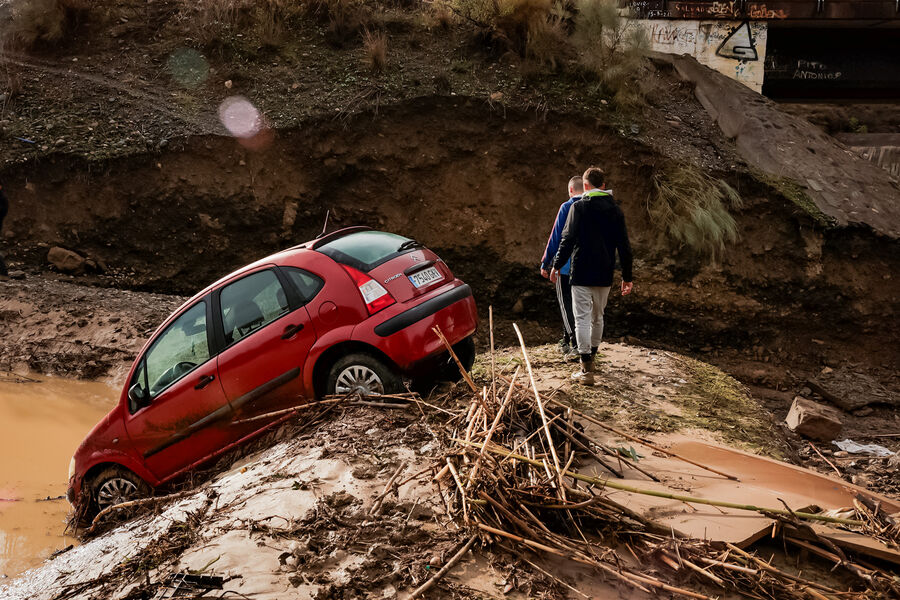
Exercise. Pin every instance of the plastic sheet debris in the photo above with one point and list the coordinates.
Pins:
(852, 447)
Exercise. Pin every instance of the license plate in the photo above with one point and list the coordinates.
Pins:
(425, 276)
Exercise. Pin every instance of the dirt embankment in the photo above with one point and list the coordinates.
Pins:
(481, 186)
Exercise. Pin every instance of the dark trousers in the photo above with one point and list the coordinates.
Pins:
(564, 296)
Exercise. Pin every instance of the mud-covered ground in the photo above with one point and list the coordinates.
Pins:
(295, 518)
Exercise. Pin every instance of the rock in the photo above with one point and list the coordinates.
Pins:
(66, 260)
(813, 420)
(863, 412)
(17, 274)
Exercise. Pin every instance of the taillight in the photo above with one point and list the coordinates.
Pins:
(373, 294)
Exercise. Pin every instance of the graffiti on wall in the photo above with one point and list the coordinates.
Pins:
(739, 44)
(734, 48)
(690, 9)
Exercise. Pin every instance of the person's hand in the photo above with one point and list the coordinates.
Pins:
(554, 276)
(545, 273)
(627, 286)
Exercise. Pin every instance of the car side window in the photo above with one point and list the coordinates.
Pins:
(307, 284)
(180, 349)
(251, 303)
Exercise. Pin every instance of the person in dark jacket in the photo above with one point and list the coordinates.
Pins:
(563, 287)
(4, 208)
(595, 230)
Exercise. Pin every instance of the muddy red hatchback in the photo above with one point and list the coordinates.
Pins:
(352, 310)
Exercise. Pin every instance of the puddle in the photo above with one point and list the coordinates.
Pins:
(42, 421)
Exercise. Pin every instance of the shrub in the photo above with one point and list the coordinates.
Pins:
(692, 209)
(613, 47)
(25, 24)
(439, 16)
(375, 46)
(507, 23)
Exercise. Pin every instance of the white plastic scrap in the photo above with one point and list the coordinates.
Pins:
(852, 447)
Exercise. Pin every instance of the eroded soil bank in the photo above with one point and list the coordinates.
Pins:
(480, 185)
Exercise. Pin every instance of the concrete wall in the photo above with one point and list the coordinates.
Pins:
(734, 48)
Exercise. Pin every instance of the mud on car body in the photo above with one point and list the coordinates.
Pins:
(351, 311)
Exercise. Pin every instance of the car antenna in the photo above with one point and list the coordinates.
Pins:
(325, 226)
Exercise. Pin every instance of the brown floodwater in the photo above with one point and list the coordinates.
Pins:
(42, 421)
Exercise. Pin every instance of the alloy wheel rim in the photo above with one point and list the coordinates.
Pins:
(115, 491)
(359, 378)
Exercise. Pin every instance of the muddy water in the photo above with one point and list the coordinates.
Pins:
(42, 421)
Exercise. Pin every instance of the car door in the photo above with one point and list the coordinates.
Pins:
(266, 337)
(177, 407)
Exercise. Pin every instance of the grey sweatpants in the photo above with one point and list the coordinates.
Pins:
(588, 304)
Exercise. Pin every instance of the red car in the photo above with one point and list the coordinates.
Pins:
(352, 310)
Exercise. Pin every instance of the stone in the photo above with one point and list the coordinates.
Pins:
(17, 274)
(860, 480)
(813, 420)
(66, 260)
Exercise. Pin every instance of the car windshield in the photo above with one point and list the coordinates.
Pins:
(365, 250)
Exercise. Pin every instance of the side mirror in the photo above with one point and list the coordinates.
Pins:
(137, 397)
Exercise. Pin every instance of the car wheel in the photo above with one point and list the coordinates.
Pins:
(115, 485)
(465, 352)
(364, 374)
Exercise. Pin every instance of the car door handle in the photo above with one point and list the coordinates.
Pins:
(291, 330)
(204, 381)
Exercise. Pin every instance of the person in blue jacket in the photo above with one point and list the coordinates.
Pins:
(563, 286)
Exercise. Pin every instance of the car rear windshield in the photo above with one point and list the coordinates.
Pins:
(365, 250)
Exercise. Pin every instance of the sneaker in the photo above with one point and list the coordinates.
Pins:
(583, 377)
(564, 346)
(571, 355)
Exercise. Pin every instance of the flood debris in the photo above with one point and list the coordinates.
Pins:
(514, 478)
(489, 487)
(188, 585)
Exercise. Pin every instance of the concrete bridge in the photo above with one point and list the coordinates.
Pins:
(787, 49)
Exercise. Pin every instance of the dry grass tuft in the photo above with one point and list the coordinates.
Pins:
(440, 16)
(26, 24)
(375, 47)
(692, 209)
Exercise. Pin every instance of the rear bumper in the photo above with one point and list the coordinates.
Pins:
(422, 311)
(405, 335)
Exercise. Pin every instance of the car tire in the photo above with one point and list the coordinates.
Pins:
(465, 352)
(114, 485)
(363, 372)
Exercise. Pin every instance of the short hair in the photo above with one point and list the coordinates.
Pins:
(595, 176)
(576, 184)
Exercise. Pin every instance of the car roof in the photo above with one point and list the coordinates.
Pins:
(273, 259)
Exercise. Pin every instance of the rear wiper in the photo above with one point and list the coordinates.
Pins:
(409, 244)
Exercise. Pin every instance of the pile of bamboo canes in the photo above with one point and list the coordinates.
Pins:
(511, 476)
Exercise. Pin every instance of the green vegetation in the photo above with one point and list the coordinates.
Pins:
(692, 209)
(854, 126)
(794, 192)
(715, 401)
